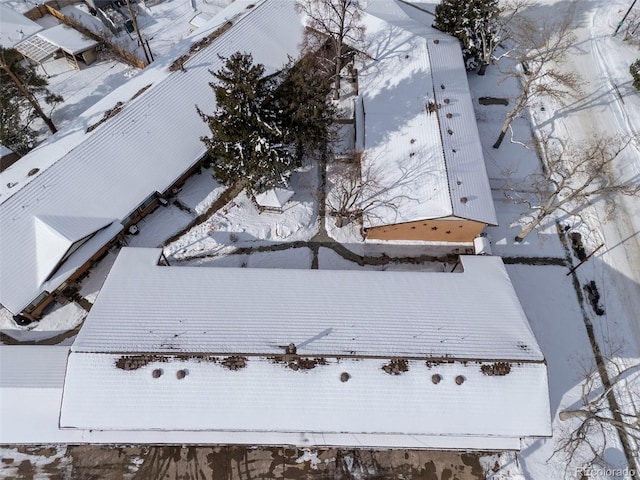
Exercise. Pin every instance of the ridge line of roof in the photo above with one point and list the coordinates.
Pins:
(202, 355)
(437, 112)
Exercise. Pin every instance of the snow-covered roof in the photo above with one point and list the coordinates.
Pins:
(200, 19)
(68, 39)
(144, 148)
(45, 43)
(274, 198)
(37, 48)
(227, 329)
(31, 388)
(15, 27)
(32, 366)
(262, 395)
(427, 165)
(144, 307)
(5, 151)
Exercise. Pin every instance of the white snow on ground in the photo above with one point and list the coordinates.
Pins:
(239, 224)
(60, 319)
(57, 454)
(200, 191)
(546, 243)
(556, 321)
(97, 275)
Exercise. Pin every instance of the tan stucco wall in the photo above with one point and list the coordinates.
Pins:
(438, 230)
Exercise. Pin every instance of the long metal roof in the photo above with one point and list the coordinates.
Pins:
(427, 164)
(144, 307)
(205, 349)
(108, 172)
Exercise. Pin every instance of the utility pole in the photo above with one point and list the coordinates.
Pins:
(624, 18)
(135, 26)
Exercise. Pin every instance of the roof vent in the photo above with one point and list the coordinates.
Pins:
(464, 200)
(291, 349)
(344, 377)
(181, 374)
(435, 378)
(156, 373)
(436, 41)
(459, 380)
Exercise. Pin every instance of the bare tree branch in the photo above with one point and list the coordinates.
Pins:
(575, 174)
(540, 49)
(596, 417)
(336, 22)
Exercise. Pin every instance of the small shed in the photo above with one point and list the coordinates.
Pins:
(61, 38)
(273, 200)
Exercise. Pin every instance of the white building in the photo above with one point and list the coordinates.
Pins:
(300, 357)
(63, 203)
(416, 126)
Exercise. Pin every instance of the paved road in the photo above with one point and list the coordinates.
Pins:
(607, 107)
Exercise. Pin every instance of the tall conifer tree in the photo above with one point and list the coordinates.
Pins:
(247, 141)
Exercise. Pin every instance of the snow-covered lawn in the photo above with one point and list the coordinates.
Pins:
(240, 224)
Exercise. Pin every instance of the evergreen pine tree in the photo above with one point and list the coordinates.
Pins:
(247, 142)
(634, 69)
(20, 88)
(476, 23)
(302, 101)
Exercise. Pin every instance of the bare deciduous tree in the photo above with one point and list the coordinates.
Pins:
(494, 36)
(573, 174)
(602, 413)
(539, 52)
(335, 21)
(353, 193)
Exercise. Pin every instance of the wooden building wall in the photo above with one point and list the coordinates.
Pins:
(437, 230)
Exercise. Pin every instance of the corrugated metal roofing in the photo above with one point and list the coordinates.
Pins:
(427, 165)
(266, 396)
(142, 149)
(31, 387)
(143, 307)
(32, 366)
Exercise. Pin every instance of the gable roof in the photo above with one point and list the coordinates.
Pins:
(237, 377)
(274, 198)
(151, 142)
(144, 307)
(55, 236)
(427, 165)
